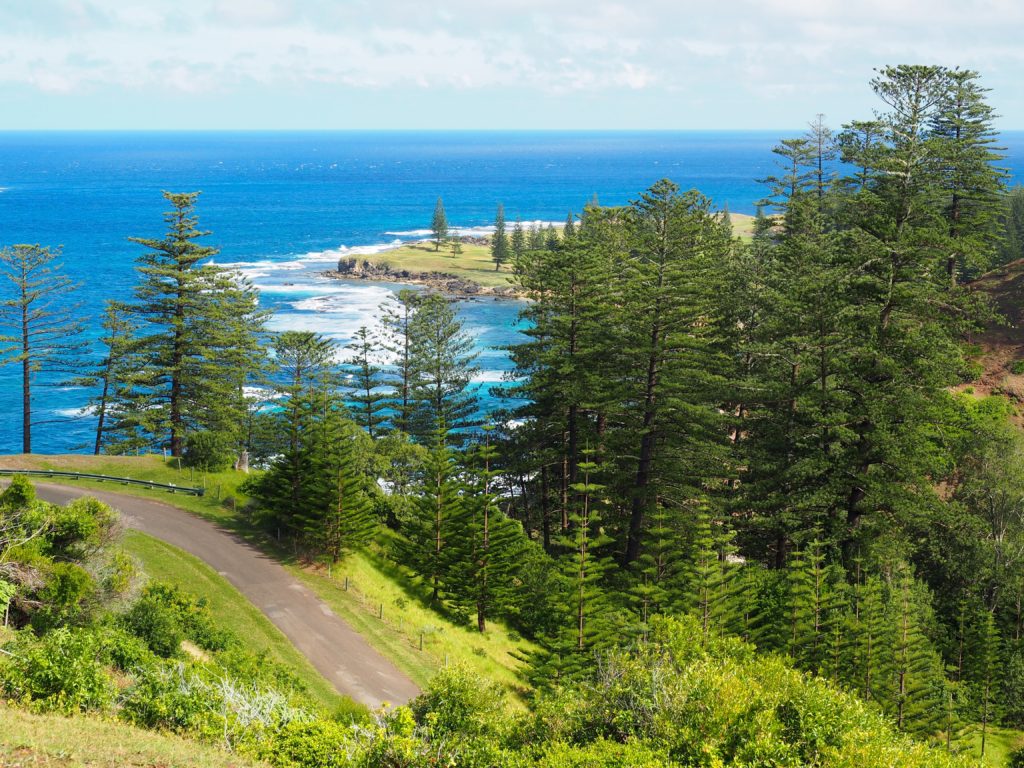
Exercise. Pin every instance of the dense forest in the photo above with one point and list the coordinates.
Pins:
(740, 496)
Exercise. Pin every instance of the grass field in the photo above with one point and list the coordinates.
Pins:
(162, 562)
(742, 225)
(28, 739)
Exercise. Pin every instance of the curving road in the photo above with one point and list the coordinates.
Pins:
(337, 651)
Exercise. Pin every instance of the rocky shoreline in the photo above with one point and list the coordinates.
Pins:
(352, 268)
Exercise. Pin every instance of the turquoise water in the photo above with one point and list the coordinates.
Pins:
(284, 206)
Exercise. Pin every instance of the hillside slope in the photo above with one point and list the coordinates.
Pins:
(1000, 347)
(28, 739)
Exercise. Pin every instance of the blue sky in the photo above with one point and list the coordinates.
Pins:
(338, 64)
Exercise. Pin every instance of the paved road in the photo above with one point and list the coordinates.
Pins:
(340, 654)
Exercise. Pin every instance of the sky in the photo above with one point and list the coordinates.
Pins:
(478, 64)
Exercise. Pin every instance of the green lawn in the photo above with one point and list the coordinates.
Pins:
(162, 562)
(28, 739)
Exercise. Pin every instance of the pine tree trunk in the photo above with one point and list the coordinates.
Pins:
(646, 458)
(176, 361)
(545, 509)
(26, 375)
(436, 579)
(102, 413)
(26, 397)
(639, 504)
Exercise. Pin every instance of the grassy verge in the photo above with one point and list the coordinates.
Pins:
(28, 739)
(221, 487)
(163, 562)
(390, 609)
(999, 743)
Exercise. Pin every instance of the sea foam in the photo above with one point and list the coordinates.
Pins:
(476, 231)
(74, 413)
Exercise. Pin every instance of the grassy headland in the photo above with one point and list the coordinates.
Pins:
(474, 263)
(216, 504)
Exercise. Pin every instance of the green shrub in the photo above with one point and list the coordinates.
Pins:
(600, 754)
(1016, 759)
(62, 671)
(119, 573)
(457, 702)
(68, 587)
(157, 624)
(124, 651)
(258, 670)
(19, 494)
(393, 741)
(715, 702)
(82, 523)
(306, 744)
(209, 451)
(1017, 367)
(189, 698)
(168, 698)
(164, 615)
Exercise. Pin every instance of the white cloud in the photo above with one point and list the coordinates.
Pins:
(767, 49)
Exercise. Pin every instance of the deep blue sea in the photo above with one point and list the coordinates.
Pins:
(284, 206)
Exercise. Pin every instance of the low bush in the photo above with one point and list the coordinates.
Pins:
(208, 451)
(258, 670)
(458, 703)
(164, 616)
(123, 650)
(167, 697)
(63, 671)
(64, 596)
(599, 754)
(80, 526)
(715, 702)
(305, 744)
(157, 624)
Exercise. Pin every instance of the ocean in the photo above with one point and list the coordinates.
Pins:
(282, 207)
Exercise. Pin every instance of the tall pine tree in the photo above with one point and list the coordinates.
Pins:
(200, 328)
(42, 329)
(439, 224)
(366, 382)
